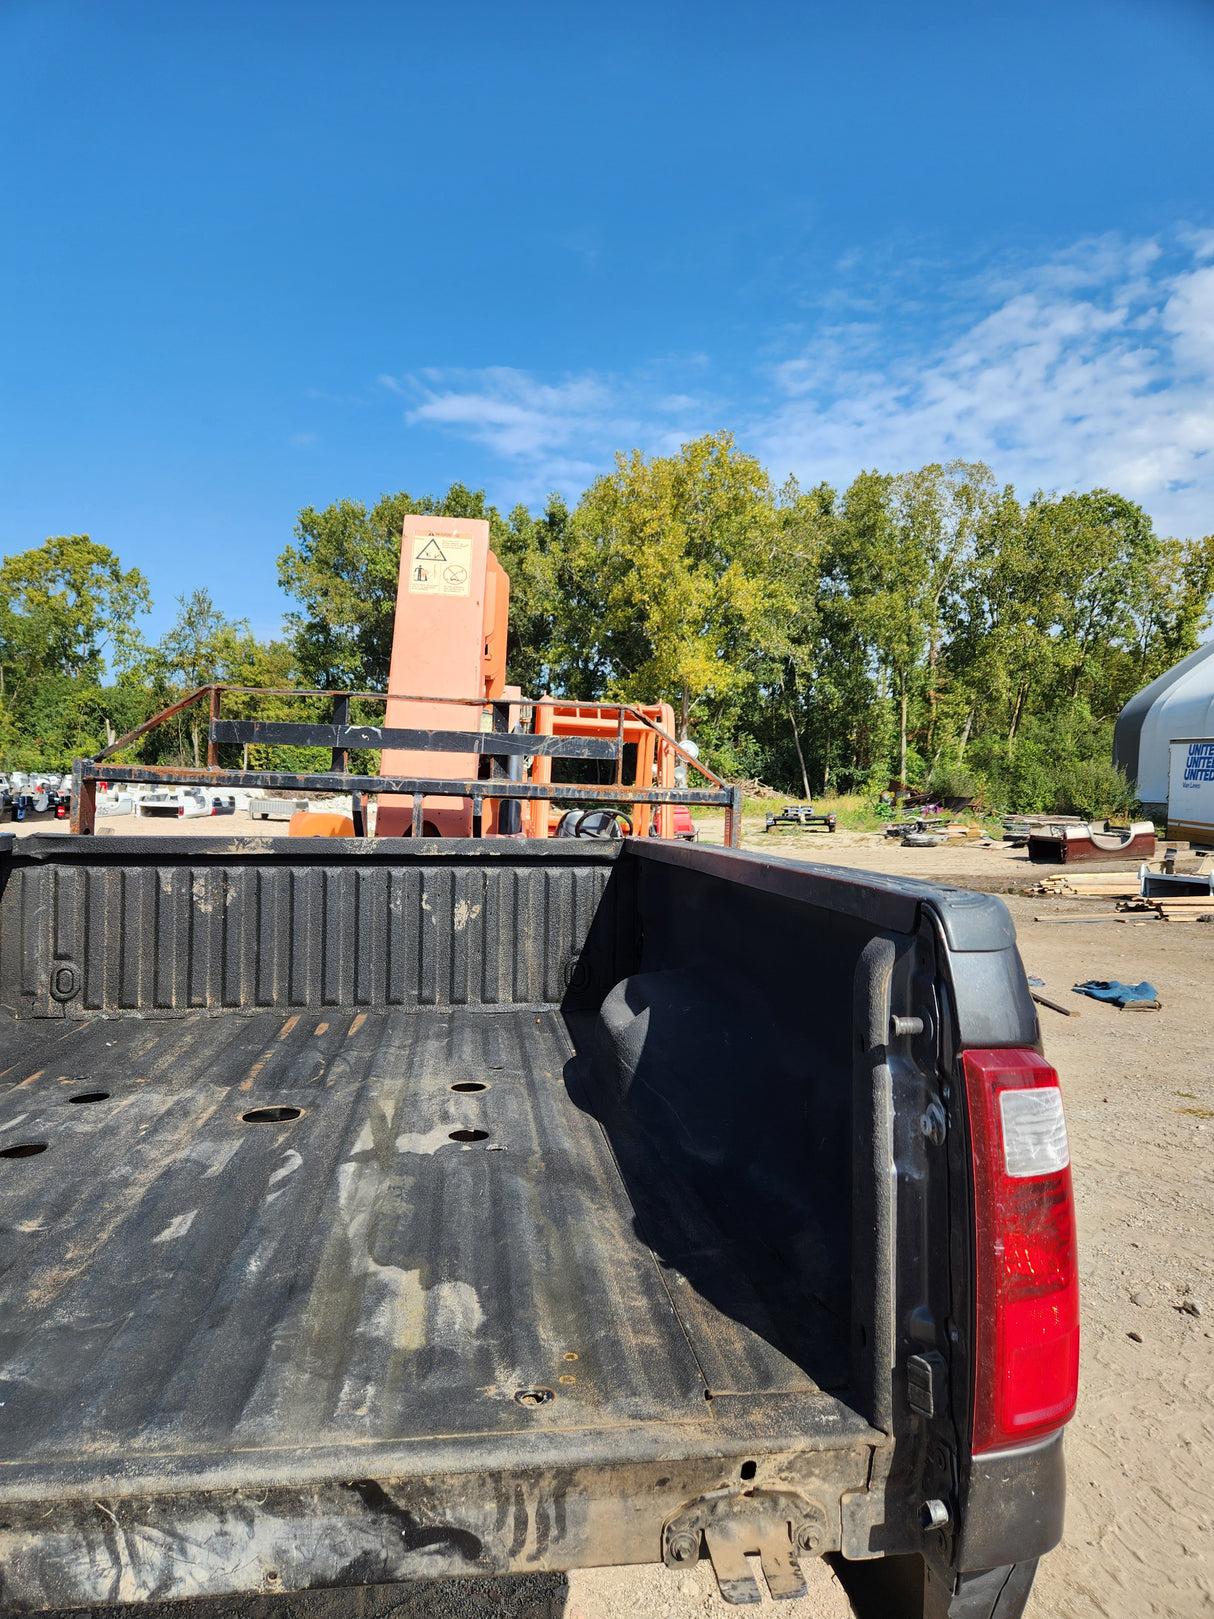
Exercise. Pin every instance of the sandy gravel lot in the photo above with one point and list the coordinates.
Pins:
(1139, 1091)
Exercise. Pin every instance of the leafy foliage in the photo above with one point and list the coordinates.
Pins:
(926, 625)
(67, 609)
(68, 604)
(680, 579)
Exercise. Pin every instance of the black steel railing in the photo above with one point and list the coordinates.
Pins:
(499, 746)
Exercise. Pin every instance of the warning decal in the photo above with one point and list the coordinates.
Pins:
(441, 565)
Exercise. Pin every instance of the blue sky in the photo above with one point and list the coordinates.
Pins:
(257, 255)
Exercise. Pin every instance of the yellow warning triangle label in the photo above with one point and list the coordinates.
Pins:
(431, 552)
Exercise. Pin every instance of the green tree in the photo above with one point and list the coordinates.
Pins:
(675, 579)
(69, 606)
(1003, 645)
(68, 611)
(923, 621)
(201, 645)
(201, 648)
(1169, 609)
(344, 569)
(531, 550)
(901, 557)
(1071, 597)
(1102, 549)
(793, 657)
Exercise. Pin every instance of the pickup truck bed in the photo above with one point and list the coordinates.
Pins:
(445, 1209)
(215, 1290)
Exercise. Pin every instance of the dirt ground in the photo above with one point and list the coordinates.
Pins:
(1139, 1090)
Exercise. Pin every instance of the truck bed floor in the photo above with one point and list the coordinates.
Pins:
(427, 1226)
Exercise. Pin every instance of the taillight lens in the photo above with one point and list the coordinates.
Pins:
(1027, 1350)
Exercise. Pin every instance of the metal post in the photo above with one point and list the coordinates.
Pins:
(84, 800)
(501, 817)
(416, 829)
(212, 745)
(341, 716)
(619, 757)
(733, 819)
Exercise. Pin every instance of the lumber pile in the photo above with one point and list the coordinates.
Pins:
(1087, 885)
(1189, 908)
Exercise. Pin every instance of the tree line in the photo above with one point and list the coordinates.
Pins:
(926, 627)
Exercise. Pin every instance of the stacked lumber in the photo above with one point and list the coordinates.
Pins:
(1186, 908)
(1088, 885)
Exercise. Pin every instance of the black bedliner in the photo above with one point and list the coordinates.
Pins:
(183, 1287)
(372, 1211)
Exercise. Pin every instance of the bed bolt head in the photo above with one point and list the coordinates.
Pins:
(934, 1124)
(900, 1026)
(684, 1546)
(934, 1514)
(811, 1535)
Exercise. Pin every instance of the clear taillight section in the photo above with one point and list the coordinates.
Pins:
(1027, 1342)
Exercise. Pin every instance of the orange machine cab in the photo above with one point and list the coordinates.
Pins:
(655, 761)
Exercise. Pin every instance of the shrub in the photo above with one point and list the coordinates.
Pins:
(952, 781)
(1094, 788)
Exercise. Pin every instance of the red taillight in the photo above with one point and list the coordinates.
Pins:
(1027, 1350)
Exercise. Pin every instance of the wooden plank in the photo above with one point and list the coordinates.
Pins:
(1054, 1006)
(1121, 891)
(1104, 916)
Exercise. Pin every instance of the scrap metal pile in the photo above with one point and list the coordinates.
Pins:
(929, 832)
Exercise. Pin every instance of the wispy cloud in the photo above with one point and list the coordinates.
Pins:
(521, 419)
(1095, 367)
(558, 434)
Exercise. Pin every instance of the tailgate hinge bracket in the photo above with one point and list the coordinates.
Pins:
(777, 1526)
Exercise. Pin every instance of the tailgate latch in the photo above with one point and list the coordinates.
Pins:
(777, 1526)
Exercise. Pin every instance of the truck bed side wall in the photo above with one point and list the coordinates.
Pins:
(806, 1112)
(731, 1051)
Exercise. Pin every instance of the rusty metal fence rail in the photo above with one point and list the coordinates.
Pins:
(499, 746)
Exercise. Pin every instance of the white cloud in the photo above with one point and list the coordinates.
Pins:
(551, 435)
(1094, 368)
(515, 416)
(1189, 314)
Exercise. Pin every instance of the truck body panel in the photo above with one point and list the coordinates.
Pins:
(437, 1207)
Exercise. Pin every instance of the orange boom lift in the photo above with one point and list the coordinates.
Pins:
(449, 640)
(462, 753)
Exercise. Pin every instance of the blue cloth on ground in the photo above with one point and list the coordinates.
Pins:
(1101, 989)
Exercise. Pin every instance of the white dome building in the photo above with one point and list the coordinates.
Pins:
(1178, 704)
